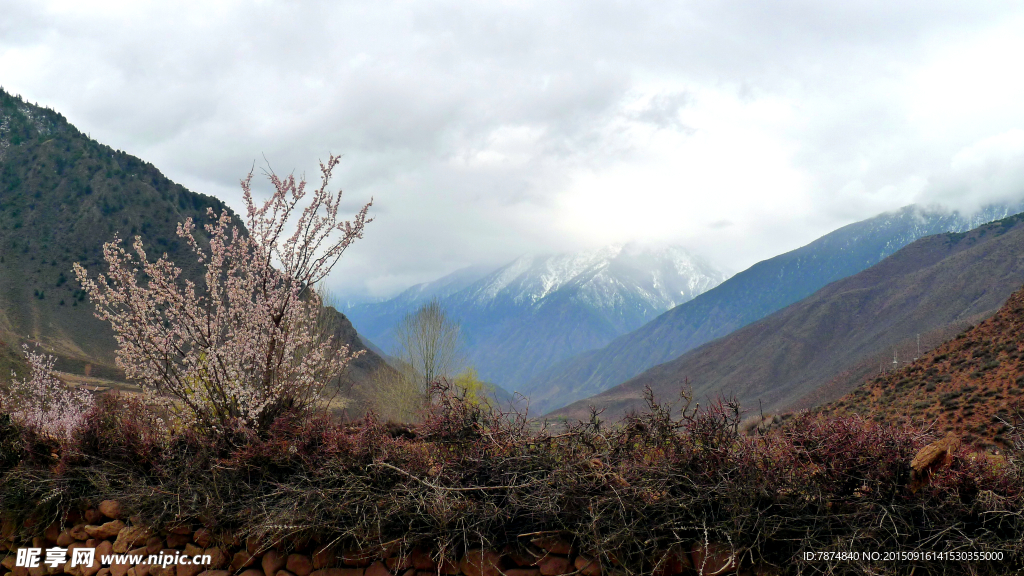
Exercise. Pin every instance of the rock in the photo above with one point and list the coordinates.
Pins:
(111, 509)
(78, 532)
(188, 569)
(178, 540)
(131, 536)
(272, 562)
(553, 544)
(52, 532)
(478, 562)
(299, 564)
(203, 537)
(283, 573)
(249, 572)
(103, 572)
(522, 572)
(93, 516)
(324, 557)
(675, 561)
(180, 529)
(588, 566)
(338, 572)
(243, 559)
(358, 557)
(712, 559)
(154, 544)
(120, 569)
(39, 570)
(218, 558)
(105, 548)
(377, 569)
(193, 550)
(64, 538)
(421, 560)
(104, 531)
(225, 573)
(930, 458)
(552, 565)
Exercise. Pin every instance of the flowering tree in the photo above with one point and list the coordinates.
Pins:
(246, 347)
(42, 401)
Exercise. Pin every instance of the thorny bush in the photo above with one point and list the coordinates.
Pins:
(471, 475)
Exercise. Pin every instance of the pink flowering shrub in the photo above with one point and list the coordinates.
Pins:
(44, 403)
(245, 347)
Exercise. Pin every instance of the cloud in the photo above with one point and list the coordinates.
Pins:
(489, 130)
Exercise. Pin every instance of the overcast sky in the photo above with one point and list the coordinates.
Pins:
(486, 130)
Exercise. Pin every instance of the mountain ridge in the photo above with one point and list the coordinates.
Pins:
(748, 296)
(936, 281)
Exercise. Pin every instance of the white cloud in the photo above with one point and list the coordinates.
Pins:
(487, 130)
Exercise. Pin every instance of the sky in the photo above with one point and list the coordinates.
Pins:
(488, 130)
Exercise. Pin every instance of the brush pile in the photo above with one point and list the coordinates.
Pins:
(638, 498)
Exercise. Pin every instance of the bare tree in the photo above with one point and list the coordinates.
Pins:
(428, 347)
(430, 343)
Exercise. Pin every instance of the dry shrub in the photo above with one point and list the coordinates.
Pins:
(470, 475)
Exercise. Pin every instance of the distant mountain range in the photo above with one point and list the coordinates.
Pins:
(538, 310)
(749, 296)
(62, 195)
(824, 345)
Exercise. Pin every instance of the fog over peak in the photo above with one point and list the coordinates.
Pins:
(485, 131)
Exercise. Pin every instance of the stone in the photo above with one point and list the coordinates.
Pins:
(93, 516)
(522, 572)
(193, 550)
(218, 558)
(283, 573)
(52, 532)
(588, 566)
(105, 548)
(38, 570)
(78, 532)
(552, 565)
(299, 564)
(104, 531)
(203, 537)
(272, 562)
(712, 558)
(377, 569)
(178, 540)
(131, 536)
(675, 561)
(249, 572)
(358, 558)
(339, 572)
(188, 569)
(421, 560)
(64, 538)
(478, 562)
(120, 569)
(553, 544)
(154, 544)
(223, 573)
(243, 559)
(103, 572)
(111, 509)
(324, 557)
(180, 529)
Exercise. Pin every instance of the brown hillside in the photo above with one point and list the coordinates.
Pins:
(837, 335)
(969, 385)
(62, 196)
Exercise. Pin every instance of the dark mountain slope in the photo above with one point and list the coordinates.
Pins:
(62, 195)
(762, 289)
(935, 283)
(968, 385)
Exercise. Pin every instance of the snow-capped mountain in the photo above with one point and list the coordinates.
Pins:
(538, 310)
(750, 295)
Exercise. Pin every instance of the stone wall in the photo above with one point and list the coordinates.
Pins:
(106, 529)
